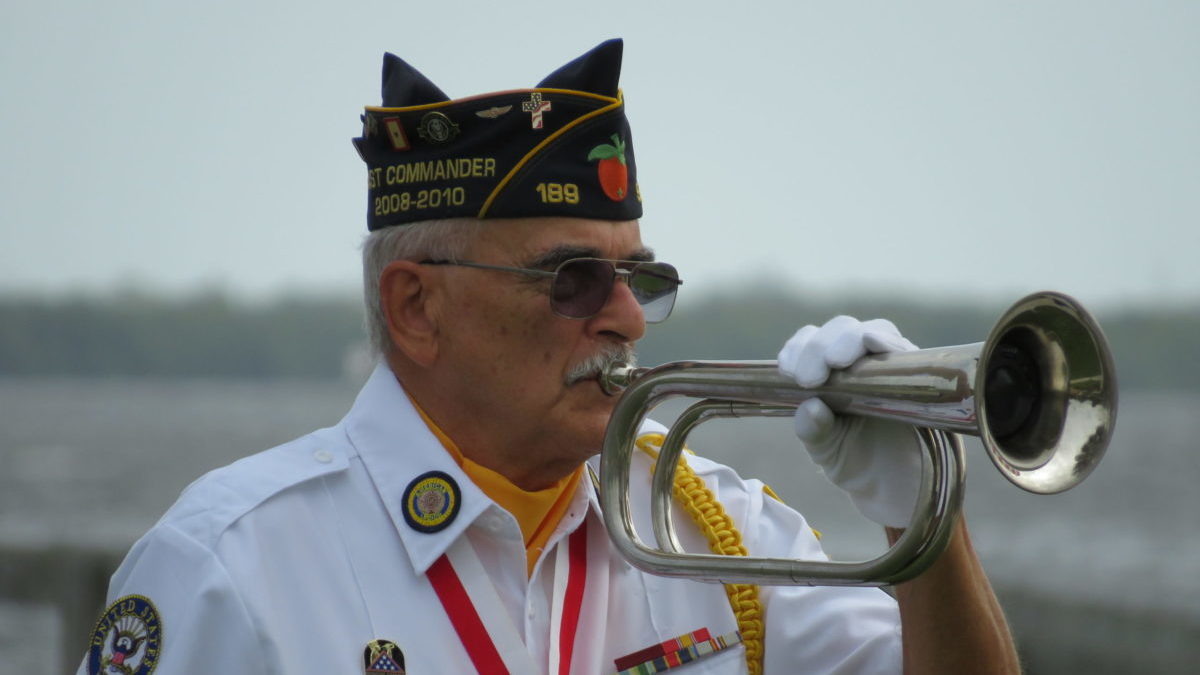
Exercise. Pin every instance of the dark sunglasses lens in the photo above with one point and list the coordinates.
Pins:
(654, 285)
(581, 287)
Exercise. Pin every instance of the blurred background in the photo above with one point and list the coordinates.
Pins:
(181, 210)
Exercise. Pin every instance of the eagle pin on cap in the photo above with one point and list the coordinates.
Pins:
(562, 148)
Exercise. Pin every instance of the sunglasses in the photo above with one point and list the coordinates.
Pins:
(582, 286)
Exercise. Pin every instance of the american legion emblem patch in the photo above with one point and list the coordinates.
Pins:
(127, 638)
(431, 501)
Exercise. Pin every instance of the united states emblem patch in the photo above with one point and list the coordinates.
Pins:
(127, 638)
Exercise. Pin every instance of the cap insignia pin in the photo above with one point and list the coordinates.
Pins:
(535, 106)
(435, 127)
(611, 170)
(370, 125)
(395, 133)
(494, 112)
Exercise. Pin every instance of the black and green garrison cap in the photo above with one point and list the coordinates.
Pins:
(562, 148)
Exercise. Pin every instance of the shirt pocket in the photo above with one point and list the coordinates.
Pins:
(680, 607)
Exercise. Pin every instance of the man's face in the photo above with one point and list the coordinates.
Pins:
(506, 356)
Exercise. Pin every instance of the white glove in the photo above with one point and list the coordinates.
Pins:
(877, 462)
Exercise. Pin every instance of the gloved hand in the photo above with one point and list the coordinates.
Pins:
(877, 462)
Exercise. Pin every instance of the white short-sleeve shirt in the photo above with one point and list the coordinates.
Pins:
(291, 561)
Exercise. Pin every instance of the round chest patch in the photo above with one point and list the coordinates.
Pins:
(431, 502)
(127, 638)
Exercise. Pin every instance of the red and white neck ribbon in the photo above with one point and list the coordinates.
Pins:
(484, 626)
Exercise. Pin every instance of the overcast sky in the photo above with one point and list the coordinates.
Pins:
(931, 148)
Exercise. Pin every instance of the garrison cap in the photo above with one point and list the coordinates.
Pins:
(562, 148)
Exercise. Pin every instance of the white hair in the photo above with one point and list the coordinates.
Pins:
(445, 239)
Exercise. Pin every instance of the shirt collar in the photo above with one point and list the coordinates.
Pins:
(396, 446)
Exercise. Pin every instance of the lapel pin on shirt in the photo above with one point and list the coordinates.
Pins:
(431, 501)
(383, 656)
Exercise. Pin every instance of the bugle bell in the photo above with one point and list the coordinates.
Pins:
(1040, 392)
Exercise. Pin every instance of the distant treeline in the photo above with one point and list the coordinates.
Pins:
(1153, 348)
(214, 336)
(202, 336)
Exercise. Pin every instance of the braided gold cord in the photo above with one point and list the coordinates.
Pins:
(771, 493)
(723, 539)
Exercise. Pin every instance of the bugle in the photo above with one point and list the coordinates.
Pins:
(1040, 393)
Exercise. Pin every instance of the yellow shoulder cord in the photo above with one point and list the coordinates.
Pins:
(723, 539)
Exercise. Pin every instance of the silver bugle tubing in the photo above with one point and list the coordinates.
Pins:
(1040, 393)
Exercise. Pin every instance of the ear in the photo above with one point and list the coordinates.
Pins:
(405, 297)
(596, 71)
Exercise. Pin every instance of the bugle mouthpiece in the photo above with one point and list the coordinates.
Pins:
(616, 377)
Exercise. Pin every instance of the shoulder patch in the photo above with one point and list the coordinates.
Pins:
(127, 639)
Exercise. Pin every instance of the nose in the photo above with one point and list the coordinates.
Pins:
(621, 318)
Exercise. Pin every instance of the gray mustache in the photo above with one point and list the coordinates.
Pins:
(591, 367)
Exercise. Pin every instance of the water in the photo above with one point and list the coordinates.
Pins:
(1126, 535)
(1105, 578)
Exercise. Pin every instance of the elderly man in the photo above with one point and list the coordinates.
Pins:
(448, 524)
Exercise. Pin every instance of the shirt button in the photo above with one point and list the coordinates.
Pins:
(323, 456)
